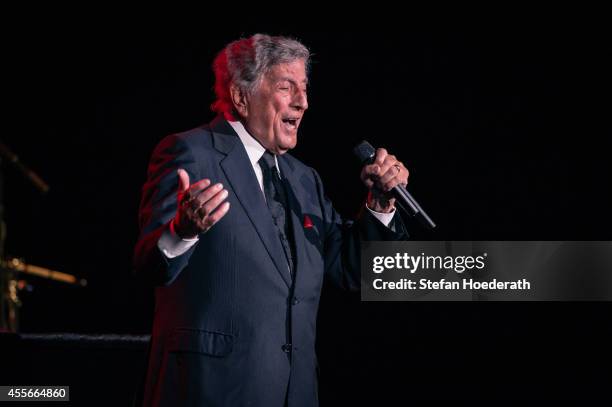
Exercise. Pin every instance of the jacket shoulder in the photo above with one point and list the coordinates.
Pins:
(198, 137)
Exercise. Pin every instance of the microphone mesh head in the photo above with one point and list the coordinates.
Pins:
(364, 152)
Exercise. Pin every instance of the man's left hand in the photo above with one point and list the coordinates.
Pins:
(385, 173)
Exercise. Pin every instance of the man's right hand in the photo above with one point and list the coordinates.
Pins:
(200, 206)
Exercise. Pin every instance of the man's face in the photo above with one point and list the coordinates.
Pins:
(274, 110)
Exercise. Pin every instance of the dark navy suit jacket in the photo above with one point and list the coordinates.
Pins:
(227, 309)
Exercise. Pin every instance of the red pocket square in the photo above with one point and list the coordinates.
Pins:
(307, 222)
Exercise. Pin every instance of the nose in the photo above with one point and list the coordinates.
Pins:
(300, 100)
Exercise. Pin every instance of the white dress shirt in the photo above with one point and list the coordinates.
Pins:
(172, 245)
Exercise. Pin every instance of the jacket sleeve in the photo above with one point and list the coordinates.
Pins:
(158, 207)
(342, 240)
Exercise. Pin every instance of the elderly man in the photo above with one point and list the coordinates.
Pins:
(238, 237)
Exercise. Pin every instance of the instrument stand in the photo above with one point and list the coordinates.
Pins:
(9, 301)
(11, 268)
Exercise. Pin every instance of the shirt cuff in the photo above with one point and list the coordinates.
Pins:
(384, 218)
(171, 245)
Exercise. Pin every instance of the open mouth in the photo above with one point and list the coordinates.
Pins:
(291, 123)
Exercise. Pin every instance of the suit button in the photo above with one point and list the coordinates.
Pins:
(286, 348)
(295, 301)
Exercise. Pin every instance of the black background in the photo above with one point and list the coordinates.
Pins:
(505, 132)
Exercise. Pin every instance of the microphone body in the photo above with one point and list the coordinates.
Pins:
(366, 154)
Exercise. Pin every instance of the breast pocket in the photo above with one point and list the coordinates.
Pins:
(313, 230)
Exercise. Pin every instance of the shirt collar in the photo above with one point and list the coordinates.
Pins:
(254, 150)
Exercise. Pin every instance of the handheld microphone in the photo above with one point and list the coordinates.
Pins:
(366, 154)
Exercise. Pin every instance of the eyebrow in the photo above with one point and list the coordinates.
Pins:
(305, 81)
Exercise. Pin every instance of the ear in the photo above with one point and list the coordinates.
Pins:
(239, 100)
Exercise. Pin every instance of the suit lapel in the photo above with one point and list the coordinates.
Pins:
(297, 229)
(239, 173)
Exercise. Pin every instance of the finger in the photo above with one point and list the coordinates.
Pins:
(183, 180)
(371, 170)
(389, 185)
(404, 177)
(400, 179)
(381, 154)
(394, 171)
(213, 203)
(188, 197)
(199, 186)
(216, 216)
(368, 175)
(387, 169)
(206, 194)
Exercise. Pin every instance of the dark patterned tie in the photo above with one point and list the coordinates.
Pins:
(276, 198)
